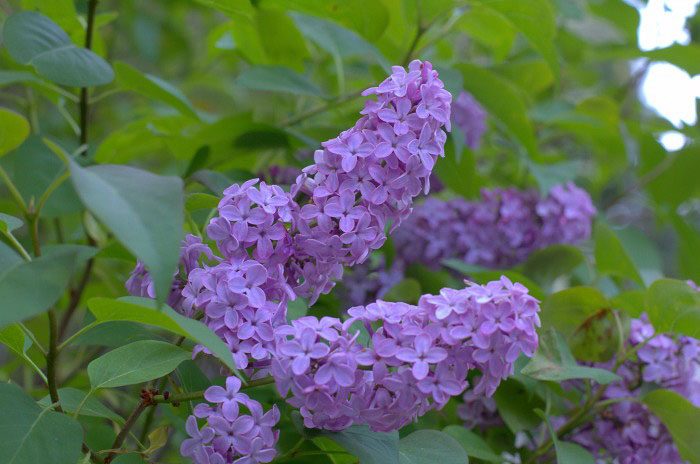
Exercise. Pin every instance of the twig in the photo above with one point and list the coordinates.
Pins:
(198, 395)
(145, 402)
(321, 108)
(84, 101)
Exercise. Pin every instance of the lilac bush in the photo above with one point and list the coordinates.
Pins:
(470, 117)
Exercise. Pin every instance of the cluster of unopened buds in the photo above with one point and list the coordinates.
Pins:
(276, 245)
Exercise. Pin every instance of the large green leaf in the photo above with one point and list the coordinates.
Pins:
(33, 39)
(547, 264)
(370, 447)
(337, 40)
(611, 257)
(429, 447)
(277, 79)
(473, 444)
(13, 130)
(536, 20)
(567, 309)
(502, 100)
(516, 406)
(681, 417)
(153, 87)
(34, 435)
(673, 306)
(145, 311)
(280, 38)
(135, 363)
(29, 288)
(143, 210)
(677, 182)
(554, 361)
(72, 399)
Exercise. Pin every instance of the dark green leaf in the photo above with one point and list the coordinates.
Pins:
(13, 130)
(473, 444)
(285, 46)
(145, 311)
(370, 447)
(32, 38)
(36, 436)
(143, 210)
(277, 79)
(72, 398)
(407, 291)
(516, 406)
(197, 201)
(545, 265)
(431, 446)
(611, 257)
(135, 363)
(681, 418)
(29, 288)
(554, 361)
(153, 87)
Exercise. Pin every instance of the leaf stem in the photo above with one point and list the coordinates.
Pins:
(130, 421)
(13, 190)
(321, 108)
(16, 245)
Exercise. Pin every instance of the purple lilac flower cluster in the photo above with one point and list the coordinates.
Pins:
(627, 431)
(470, 117)
(501, 230)
(416, 359)
(367, 177)
(228, 435)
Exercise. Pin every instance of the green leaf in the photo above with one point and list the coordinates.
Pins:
(516, 406)
(370, 447)
(153, 87)
(143, 210)
(681, 418)
(431, 446)
(337, 40)
(554, 361)
(536, 20)
(473, 444)
(567, 309)
(285, 46)
(545, 265)
(72, 399)
(567, 453)
(673, 306)
(13, 130)
(197, 201)
(688, 243)
(135, 363)
(33, 168)
(9, 223)
(33, 39)
(676, 183)
(277, 79)
(489, 28)
(13, 337)
(369, 19)
(146, 312)
(502, 100)
(34, 435)
(29, 288)
(611, 257)
(408, 291)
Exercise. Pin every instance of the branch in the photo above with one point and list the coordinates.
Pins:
(84, 101)
(198, 395)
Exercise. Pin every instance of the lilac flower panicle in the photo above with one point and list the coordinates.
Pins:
(230, 436)
(501, 230)
(417, 359)
(470, 117)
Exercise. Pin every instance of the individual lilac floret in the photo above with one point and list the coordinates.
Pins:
(501, 230)
(417, 358)
(470, 117)
(627, 431)
(228, 435)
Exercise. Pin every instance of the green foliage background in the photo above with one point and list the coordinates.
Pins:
(196, 95)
